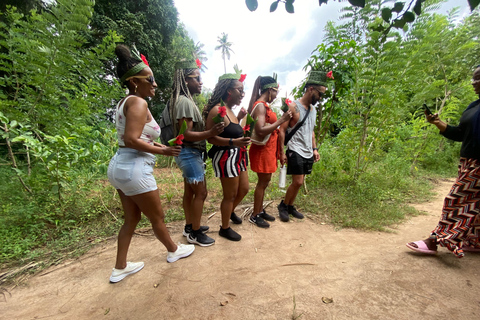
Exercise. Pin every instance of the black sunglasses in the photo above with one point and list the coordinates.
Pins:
(319, 92)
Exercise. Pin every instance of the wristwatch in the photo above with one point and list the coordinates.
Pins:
(230, 143)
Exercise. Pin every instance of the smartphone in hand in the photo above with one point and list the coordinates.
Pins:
(427, 109)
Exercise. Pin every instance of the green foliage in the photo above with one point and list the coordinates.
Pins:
(374, 104)
(405, 12)
(152, 25)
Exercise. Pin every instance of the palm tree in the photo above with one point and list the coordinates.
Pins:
(225, 47)
(200, 54)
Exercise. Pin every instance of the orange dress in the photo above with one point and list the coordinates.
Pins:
(263, 159)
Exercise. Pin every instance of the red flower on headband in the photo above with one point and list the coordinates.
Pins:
(144, 60)
(242, 77)
(199, 63)
(222, 111)
(330, 75)
(178, 140)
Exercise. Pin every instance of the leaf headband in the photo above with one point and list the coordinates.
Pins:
(273, 84)
(234, 76)
(136, 68)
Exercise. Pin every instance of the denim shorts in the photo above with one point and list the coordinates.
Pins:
(131, 171)
(190, 161)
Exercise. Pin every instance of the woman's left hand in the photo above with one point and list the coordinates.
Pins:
(242, 113)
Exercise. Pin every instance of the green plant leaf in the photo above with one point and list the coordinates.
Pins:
(409, 16)
(252, 5)
(273, 6)
(399, 23)
(473, 4)
(289, 7)
(183, 127)
(357, 3)
(398, 6)
(418, 7)
(386, 14)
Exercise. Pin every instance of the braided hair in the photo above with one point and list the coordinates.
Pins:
(180, 86)
(219, 93)
(125, 61)
(257, 89)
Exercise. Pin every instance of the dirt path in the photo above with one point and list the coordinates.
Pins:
(279, 273)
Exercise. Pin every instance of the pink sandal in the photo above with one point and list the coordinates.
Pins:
(421, 247)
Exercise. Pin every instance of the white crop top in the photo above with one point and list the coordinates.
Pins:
(150, 132)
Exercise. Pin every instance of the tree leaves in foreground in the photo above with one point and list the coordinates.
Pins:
(405, 11)
(53, 90)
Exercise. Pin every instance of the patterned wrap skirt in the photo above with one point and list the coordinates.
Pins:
(459, 225)
(228, 163)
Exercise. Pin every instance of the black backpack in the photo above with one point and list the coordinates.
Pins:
(166, 128)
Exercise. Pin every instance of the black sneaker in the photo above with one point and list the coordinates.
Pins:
(235, 219)
(188, 229)
(230, 234)
(258, 221)
(266, 216)
(283, 212)
(294, 212)
(200, 238)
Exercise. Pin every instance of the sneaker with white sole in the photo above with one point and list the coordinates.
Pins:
(200, 238)
(131, 268)
(259, 221)
(183, 251)
(188, 229)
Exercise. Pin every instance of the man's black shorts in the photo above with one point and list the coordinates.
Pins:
(296, 164)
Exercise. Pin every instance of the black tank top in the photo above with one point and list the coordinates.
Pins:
(233, 130)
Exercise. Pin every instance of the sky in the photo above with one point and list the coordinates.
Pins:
(264, 42)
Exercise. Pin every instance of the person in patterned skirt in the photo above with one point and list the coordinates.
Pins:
(458, 229)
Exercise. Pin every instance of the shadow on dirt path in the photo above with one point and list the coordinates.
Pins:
(279, 273)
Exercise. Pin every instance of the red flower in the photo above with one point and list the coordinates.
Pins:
(242, 77)
(144, 60)
(246, 128)
(288, 101)
(330, 75)
(222, 111)
(178, 140)
(199, 63)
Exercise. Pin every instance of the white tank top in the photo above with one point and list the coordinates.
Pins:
(150, 132)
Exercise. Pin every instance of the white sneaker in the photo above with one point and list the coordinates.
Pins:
(120, 274)
(183, 251)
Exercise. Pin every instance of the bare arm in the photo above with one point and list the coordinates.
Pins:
(434, 119)
(316, 155)
(136, 113)
(221, 141)
(260, 128)
(281, 139)
(191, 135)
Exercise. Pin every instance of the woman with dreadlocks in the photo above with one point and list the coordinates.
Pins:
(263, 156)
(229, 150)
(187, 82)
(131, 169)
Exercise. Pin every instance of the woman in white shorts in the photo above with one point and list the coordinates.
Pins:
(131, 169)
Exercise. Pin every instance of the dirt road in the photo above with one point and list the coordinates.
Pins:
(286, 272)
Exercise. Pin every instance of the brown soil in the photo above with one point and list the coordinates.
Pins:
(295, 270)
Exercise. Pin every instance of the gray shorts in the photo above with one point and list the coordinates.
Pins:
(131, 171)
